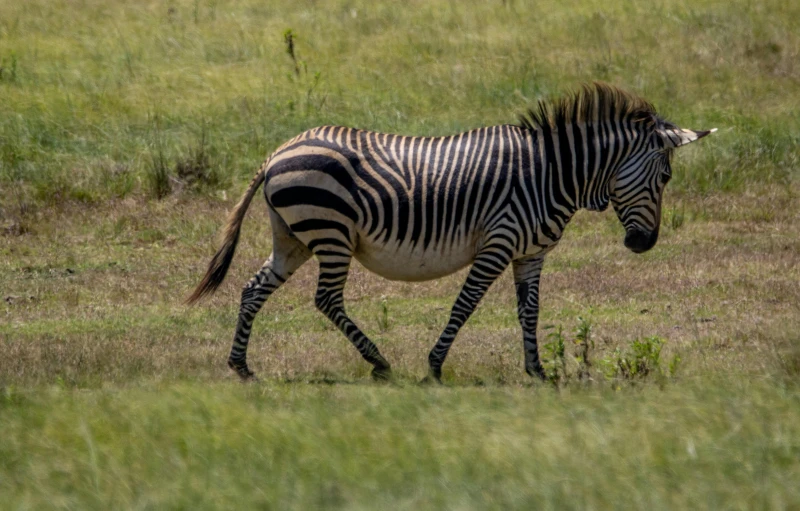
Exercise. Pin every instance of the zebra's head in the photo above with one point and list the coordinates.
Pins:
(638, 186)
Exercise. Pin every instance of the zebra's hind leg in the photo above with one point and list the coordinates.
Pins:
(288, 254)
(333, 268)
(487, 267)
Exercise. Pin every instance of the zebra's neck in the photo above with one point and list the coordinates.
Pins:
(580, 160)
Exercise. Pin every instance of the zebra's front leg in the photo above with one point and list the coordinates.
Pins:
(526, 279)
(330, 301)
(485, 270)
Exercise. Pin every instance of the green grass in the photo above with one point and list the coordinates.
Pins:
(87, 112)
(129, 128)
(713, 444)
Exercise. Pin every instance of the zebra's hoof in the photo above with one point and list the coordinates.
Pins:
(382, 373)
(433, 378)
(242, 371)
(536, 372)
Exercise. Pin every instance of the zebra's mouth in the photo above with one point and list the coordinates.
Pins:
(639, 241)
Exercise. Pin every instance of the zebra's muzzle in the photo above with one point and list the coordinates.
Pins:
(639, 241)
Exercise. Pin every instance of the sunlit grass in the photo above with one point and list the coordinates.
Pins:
(707, 444)
(86, 111)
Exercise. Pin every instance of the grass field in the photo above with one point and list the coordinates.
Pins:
(128, 129)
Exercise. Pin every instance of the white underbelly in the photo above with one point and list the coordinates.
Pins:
(407, 264)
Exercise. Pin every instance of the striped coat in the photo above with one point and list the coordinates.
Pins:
(419, 208)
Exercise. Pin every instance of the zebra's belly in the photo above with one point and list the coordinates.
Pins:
(406, 264)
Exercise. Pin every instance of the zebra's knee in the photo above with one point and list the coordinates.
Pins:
(249, 291)
(253, 297)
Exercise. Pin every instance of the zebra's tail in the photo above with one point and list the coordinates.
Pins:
(219, 265)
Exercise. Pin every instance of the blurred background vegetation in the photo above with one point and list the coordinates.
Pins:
(102, 99)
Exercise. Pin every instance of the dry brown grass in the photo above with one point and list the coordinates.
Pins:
(92, 295)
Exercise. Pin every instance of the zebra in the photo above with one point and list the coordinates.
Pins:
(420, 208)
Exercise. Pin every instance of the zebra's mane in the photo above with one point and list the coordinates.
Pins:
(580, 106)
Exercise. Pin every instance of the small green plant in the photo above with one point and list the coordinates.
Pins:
(555, 363)
(314, 100)
(288, 39)
(674, 364)
(640, 360)
(383, 316)
(675, 218)
(555, 359)
(646, 356)
(584, 344)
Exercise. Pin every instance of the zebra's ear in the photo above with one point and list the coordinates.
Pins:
(676, 137)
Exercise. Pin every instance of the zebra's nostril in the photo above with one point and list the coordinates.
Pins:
(639, 241)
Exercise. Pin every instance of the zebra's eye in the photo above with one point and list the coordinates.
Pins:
(665, 177)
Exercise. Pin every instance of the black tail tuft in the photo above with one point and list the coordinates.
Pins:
(217, 269)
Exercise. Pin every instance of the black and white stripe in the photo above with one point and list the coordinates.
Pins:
(417, 208)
